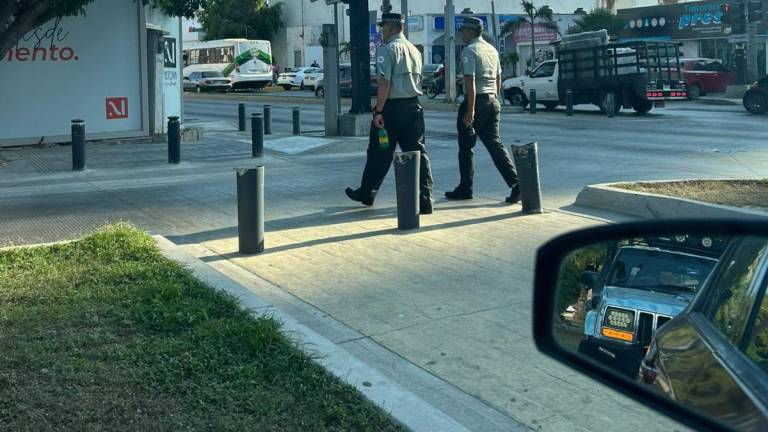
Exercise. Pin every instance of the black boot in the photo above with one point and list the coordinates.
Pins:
(360, 196)
(514, 196)
(460, 193)
(425, 206)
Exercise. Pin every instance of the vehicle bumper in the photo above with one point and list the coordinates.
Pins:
(623, 358)
(216, 87)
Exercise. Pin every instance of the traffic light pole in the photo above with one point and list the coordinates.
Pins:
(360, 57)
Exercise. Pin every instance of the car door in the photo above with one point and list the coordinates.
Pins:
(723, 77)
(194, 78)
(704, 75)
(543, 80)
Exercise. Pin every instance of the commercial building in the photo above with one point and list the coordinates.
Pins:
(696, 25)
(121, 75)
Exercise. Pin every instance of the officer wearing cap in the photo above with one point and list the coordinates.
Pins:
(398, 69)
(480, 113)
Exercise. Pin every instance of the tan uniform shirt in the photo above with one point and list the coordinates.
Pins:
(481, 60)
(399, 62)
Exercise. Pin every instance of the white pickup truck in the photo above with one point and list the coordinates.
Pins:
(637, 74)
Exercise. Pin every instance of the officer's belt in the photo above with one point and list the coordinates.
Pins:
(410, 99)
(486, 96)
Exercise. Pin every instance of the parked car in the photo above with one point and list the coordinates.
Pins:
(756, 98)
(345, 82)
(295, 78)
(311, 77)
(703, 75)
(201, 81)
(713, 357)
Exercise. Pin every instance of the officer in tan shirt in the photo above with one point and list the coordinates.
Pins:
(480, 113)
(398, 111)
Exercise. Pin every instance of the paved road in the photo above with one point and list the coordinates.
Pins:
(685, 140)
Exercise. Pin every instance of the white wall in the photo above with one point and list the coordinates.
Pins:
(94, 57)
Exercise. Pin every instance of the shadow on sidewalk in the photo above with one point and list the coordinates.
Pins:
(359, 236)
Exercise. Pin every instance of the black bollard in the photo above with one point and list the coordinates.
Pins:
(241, 117)
(533, 101)
(407, 188)
(78, 145)
(174, 140)
(569, 102)
(296, 121)
(250, 209)
(611, 101)
(267, 119)
(257, 135)
(527, 164)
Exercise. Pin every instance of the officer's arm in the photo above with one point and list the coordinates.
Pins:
(498, 84)
(384, 71)
(382, 94)
(469, 66)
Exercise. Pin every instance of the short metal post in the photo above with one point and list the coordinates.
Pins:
(407, 188)
(527, 164)
(296, 121)
(174, 140)
(611, 101)
(257, 135)
(78, 145)
(250, 209)
(241, 117)
(569, 102)
(267, 119)
(533, 101)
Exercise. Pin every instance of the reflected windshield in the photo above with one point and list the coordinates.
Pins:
(657, 270)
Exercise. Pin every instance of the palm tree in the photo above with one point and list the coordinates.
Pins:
(534, 15)
(599, 19)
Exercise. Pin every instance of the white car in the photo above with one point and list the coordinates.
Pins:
(289, 80)
(311, 78)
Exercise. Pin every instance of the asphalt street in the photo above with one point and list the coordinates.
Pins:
(682, 141)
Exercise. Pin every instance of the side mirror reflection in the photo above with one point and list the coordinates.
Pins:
(672, 312)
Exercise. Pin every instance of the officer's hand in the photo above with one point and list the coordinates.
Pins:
(469, 118)
(378, 121)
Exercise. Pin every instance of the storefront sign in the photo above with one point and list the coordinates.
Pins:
(694, 20)
(541, 34)
(169, 52)
(439, 23)
(415, 23)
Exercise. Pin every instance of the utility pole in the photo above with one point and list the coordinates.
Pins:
(450, 51)
(360, 57)
(404, 11)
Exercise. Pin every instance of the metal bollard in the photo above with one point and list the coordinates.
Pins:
(527, 164)
(250, 209)
(533, 101)
(78, 145)
(296, 121)
(611, 101)
(174, 140)
(241, 117)
(569, 102)
(407, 188)
(257, 135)
(267, 119)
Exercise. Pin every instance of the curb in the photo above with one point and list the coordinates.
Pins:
(653, 206)
(719, 102)
(405, 407)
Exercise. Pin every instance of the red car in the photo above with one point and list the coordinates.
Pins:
(704, 75)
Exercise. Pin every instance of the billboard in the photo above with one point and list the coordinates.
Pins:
(86, 67)
(693, 20)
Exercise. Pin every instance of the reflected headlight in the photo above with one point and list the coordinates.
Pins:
(620, 319)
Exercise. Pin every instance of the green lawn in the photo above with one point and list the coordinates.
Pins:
(107, 334)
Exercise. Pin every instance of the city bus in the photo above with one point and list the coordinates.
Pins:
(248, 63)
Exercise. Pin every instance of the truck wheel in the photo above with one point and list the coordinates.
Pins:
(550, 106)
(756, 101)
(694, 92)
(642, 106)
(516, 97)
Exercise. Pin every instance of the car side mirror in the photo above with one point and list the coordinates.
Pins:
(656, 337)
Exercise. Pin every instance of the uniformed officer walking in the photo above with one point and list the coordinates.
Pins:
(480, 113)
(398, 111)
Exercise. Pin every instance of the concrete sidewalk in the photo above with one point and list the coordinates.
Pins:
(451, 301)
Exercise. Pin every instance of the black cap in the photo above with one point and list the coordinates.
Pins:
(472, 23)
(391, 18)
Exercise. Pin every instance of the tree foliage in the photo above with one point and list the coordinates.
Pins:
(223, 19)
(532, 15)
(599, 19)
(18, 17)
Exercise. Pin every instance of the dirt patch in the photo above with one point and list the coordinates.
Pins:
(736, 193)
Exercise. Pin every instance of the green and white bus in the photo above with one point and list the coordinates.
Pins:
(248, 63)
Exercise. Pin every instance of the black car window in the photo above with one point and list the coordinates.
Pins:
(212, 75)
(726, 302)
(757, 345)
(700, 66)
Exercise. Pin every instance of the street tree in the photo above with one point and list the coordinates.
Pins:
(599, 19)
(253, 19)
(19, 17)
(533, 16)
